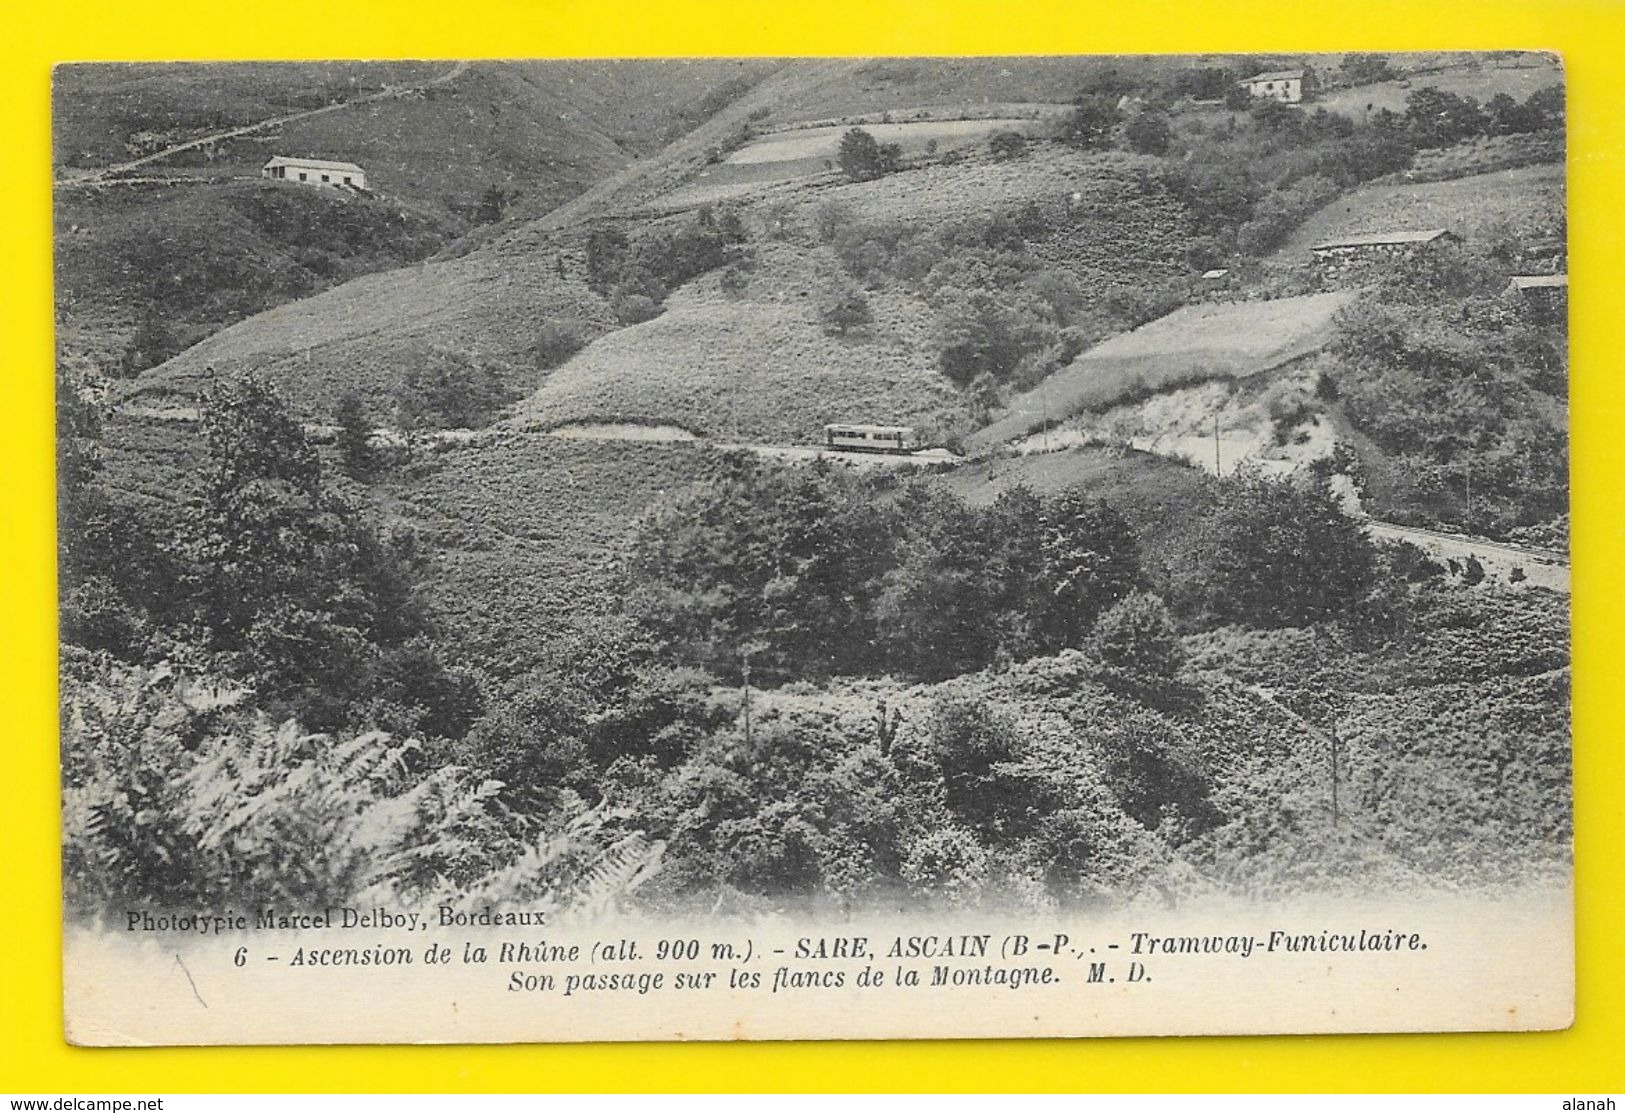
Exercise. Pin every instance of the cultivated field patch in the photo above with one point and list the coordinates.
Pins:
(1528, 201)
(1190, 345)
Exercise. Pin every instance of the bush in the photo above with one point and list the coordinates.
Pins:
(1090, 124)
(1006, 144)
(557, 341)
(447, 390)
(1149, 133)
(633, 308)
(1137, 633)
(843, 307)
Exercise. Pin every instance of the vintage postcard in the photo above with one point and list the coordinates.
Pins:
(808, 548)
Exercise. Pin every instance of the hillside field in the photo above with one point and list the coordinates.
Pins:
(521, 530)
(1517, 77)
(361, 335)
(756, 366)
(1528, 202)
(1194, 343)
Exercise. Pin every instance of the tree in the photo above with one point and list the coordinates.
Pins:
(1438, 119)
(285, 578)
(1091, 559)
(980, 331)
(1366, 69)
(1149, 133)
(1089, 125)
(844, 307)
(259, 520)
(1273, 116)
(1281, 552)
(447, 390)
(862, 159)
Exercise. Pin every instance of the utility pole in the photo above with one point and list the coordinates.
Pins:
(1043, 399)
(745, 657)
(1217, 468)
(1332, 733)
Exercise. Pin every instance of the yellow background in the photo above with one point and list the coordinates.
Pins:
(33, 1056)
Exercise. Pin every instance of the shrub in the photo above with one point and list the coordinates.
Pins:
(843, 307)
(447, 390)
(1137, 633)
(355, 435)
(1149, 133)
(557, 341)
(633, 308)
(1006, 144)
(1090, 124)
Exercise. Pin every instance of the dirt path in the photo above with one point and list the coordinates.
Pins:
(1541, 567)
(92, 177)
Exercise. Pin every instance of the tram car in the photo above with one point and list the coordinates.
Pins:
(871, 438)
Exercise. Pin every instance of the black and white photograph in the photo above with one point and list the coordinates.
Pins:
(798, 547)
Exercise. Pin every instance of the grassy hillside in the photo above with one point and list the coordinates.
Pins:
(755, 365)
(362, 335)
(196, 242)
(98, 108)
(544, 129)
(521, 530)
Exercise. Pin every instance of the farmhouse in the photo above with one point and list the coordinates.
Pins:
(315, 171)
(1287, 86)
(1546, 294)
(1376, 247)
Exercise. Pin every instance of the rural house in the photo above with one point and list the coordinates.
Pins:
(1287, 86)
(1547, 295)
(1377, 247)
(315, 171)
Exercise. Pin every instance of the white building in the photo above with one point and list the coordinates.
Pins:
(315, 171)
(1287, 86)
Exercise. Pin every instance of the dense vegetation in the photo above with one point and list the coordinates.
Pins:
(637, 272)
(1465, 390)
(170, 267)
(516, 667)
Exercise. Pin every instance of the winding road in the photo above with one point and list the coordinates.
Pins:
(1545, 568)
